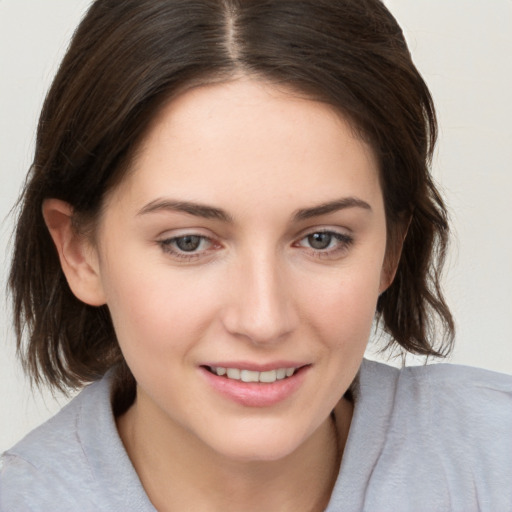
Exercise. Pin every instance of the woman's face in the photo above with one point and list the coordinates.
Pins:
(247, 244)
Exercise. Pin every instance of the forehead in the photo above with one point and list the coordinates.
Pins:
(258, 140)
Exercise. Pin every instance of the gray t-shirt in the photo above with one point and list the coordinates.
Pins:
(425, 439)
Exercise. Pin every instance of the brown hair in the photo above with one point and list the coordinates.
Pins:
(127, 58)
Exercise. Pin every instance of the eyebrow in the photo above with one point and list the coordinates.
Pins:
(331, 207)
(196, 209)
(211, 212)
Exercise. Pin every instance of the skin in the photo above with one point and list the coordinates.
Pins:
(254, 290)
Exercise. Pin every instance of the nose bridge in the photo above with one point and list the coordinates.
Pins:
(261, 306)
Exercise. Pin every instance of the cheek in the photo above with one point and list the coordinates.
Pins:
(157, 313)
(343, 307)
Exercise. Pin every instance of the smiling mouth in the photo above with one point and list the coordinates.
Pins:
(267, 377)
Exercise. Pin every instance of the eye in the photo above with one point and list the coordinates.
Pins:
(188, 243)
(320, 241)
(326, 243)
(187, 246)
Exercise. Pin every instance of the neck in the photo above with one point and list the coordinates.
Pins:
(179, 472)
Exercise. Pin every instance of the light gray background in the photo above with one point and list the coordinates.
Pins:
(464, 50)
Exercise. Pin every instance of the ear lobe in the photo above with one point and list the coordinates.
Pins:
(388, 273)
(393, 253)
(78, 258)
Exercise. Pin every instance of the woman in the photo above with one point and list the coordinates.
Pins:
(224, 196)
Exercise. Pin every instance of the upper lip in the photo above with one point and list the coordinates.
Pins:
(255, 367)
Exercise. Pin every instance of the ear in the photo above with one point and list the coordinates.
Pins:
(78, 257)
(388, 273)
(394, 248)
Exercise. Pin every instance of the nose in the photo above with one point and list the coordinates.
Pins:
(261, 305)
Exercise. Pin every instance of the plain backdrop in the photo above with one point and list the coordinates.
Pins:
(463, 49)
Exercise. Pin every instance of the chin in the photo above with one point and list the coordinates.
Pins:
(263, 443)
(257, 452)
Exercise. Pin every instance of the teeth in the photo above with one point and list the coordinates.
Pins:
(270, 376)
(253, 376)
(281, 373)
(249, 376)
(233, 373)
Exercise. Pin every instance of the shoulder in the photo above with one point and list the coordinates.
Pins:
(437, 389)
(39, 447)
(445, 436)
(50, 468)
(456, 407)
(460, 400)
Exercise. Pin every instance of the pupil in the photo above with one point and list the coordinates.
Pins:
(320, 240)
(188, 243)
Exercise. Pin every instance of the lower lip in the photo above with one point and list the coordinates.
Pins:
(254, 394)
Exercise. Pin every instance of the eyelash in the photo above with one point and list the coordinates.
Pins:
(168, 246)
(344, 241)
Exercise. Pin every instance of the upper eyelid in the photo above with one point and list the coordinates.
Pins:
(166, 236)
(170, 234)
(176, 237)
(342, 231)
(169, 240)
(300, 237)
(338, 236)
(335, 234)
